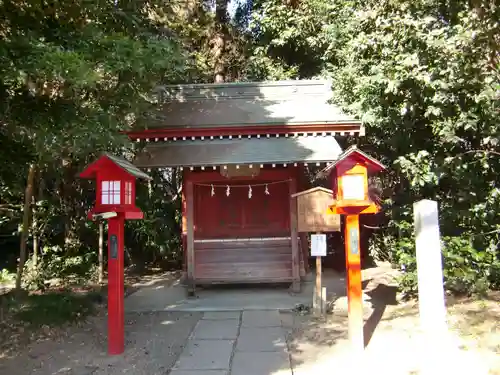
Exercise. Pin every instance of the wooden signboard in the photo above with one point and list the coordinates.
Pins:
(312, 211)
(313, 216)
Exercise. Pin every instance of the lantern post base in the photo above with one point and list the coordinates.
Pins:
(116, 318)
(354, 286)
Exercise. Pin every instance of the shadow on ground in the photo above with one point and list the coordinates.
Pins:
(153, 343)
(381, 297)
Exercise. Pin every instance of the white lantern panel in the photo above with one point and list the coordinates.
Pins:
(110, 192)
(116, 192)
(353, 186)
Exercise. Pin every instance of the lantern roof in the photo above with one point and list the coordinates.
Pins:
(103, 162)
(355, 153)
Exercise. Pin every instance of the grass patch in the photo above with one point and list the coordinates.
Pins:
(53, 308)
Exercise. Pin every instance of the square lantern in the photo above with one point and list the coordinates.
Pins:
(115, 179)
(349, 176)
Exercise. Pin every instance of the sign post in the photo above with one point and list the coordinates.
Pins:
(352, 199)
(313, 217)
(318, 250)
(115, 202)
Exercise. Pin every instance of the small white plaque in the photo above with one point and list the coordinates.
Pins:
(353, 186)
(318, 245)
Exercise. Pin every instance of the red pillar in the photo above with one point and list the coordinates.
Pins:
(116, 319)
(354, 286)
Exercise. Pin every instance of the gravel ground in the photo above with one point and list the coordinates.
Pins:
(153, 343)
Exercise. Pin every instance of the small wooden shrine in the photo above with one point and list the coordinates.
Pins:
(244, 149)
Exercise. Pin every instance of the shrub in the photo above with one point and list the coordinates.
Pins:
(56, 267)
(466, 269)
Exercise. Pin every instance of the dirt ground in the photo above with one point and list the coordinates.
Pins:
(153, 342)
(317, 346)
(393, 340)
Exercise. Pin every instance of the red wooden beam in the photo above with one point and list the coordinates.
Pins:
(243, 130)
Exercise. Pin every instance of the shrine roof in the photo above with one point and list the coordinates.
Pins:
(239, 151)
(230, 105)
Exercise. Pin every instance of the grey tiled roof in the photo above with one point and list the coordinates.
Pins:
(239, 151)
(129, 167)
(251, 103)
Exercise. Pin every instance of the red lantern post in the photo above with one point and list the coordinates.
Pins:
(350, 186)
(115, 202)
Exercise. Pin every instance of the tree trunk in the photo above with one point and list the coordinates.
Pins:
(34, 230)
(101, 244)
(24, 230)
(67, 188)
(219, 40)
(219, 69)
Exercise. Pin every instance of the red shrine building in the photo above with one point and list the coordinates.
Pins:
(244, 149)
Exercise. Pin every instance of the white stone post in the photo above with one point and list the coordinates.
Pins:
(430, 283)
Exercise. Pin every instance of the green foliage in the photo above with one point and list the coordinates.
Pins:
(55, 267)
(73, 76)
(467, 270)
(6, 276)
(423, 76)
(156, 238)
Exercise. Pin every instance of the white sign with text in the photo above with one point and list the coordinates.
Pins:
(318, 245)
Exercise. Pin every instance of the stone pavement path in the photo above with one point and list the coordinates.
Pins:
(236, 343)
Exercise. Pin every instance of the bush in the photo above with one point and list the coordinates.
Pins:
(466, 270)
(56, 267)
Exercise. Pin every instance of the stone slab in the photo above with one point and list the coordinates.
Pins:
(158, 297)
(262, 318)
(216, 329)
(199, 372)
(261, 339)
(221, 315)
(205, 355)
(263, 363)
